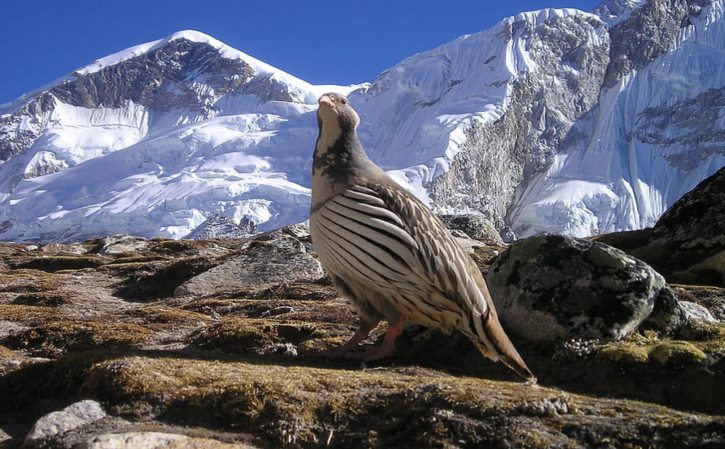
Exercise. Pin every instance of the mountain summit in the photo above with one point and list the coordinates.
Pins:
(556, 120)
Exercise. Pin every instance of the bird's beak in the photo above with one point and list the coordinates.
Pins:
(325, 100)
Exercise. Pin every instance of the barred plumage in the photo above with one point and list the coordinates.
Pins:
(388, 253)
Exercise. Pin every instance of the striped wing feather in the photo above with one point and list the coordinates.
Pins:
(386, 237)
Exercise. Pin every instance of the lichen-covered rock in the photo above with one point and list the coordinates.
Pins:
(548, 288)
(263, 261)
(57, 423)
(474, 226)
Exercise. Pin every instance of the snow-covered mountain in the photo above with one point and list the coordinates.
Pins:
(154, 140)
(657, 130)
(552, 121)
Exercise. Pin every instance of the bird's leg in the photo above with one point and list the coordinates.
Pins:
(386, 349)
(359, 335)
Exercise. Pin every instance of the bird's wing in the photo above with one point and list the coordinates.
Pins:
(389, 237)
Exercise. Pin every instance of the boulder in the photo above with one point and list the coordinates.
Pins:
(550, 288)
(57, 423)
(265, 260)
(473, 226)
(158, 440)
(119, 244)
(688, 242)
(687, 245)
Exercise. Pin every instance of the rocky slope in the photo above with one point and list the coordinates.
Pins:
(128, 342)
(552, 121)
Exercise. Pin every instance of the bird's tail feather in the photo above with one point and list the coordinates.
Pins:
(496, 345)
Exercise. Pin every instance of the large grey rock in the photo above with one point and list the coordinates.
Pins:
(70, 418)
(271, 258)
(119, 244)
(158, 440)
(474, 226)
(549, 288)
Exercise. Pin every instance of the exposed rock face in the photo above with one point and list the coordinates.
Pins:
(648, 31)
(55, 424)
(160, 80)
(550, 288)
(650, 138)
(219, 225)
(473, 226)
(263, 261)
(496, 157)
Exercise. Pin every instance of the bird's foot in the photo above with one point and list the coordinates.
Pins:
(336, 353)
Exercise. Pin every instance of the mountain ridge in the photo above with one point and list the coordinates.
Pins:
(473, 126)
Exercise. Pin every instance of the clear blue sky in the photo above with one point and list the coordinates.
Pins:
(323, 42)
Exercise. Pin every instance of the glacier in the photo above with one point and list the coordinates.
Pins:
(652, 137)
(548, 123)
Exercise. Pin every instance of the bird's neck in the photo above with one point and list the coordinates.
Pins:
(338, 159)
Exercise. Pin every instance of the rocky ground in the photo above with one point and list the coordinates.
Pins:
(206, 344)
(131, 343)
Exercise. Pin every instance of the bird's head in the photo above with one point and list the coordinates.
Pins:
(335, 112)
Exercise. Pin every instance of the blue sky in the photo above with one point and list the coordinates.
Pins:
(323, 42)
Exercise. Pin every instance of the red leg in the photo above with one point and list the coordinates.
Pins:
(386, 349)
(359, 335)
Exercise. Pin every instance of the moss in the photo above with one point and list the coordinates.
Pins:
(166, 315)
(6, 353)
(625, 353)
(24, 313)
(302, 406)
(663, 352)
(57, 263)
(677, 352)
(136, 259)
(53, 337)
(24, 280)
(245, 335)
(49, 299)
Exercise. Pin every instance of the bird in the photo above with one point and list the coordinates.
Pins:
(389, 254)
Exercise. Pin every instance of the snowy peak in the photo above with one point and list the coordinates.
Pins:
(614, 11)
(551, 121)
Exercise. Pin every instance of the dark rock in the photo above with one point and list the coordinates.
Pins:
(549, 288)
(687, 244)
(473, 226)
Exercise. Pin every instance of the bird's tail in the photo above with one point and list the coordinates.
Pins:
(495, 344)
